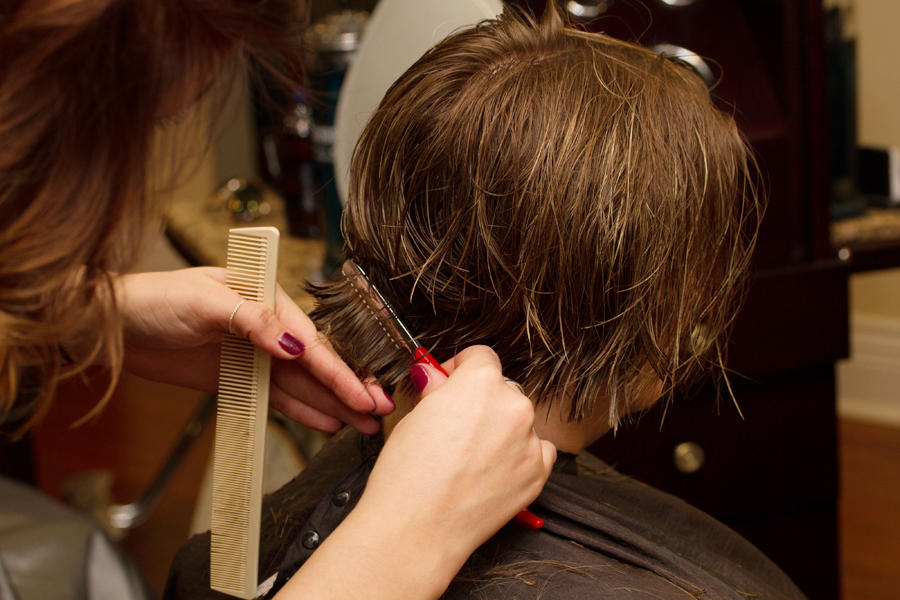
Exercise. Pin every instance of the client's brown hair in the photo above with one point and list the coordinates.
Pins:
(574, 201)
(83, 84)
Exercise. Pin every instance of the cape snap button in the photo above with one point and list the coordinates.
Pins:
(310, 539)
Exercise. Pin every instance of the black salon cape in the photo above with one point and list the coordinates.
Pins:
(606, 536)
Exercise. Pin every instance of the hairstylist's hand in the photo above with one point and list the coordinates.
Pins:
(174, 322)
(466, 459)
(453, 472)
(469, 447)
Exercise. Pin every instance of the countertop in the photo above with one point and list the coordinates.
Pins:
(199, 231)
(876, 224)
(873, 239)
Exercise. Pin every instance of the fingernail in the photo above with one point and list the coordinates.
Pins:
(419, 377)
(291, 345)
(389, 399)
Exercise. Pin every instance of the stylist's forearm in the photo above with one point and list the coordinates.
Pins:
(376, 556)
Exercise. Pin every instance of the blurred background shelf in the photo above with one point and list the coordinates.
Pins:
(873, 239)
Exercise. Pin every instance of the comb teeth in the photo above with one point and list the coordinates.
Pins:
(241, 422)
(378, 306)
(246, 263)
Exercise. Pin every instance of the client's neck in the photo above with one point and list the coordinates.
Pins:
(549, 424)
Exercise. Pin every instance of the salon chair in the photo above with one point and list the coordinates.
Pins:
(48, 550)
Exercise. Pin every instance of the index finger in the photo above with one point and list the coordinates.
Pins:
(324, 364)
(471, 357)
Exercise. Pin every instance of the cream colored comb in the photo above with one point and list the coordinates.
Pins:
(241, 422)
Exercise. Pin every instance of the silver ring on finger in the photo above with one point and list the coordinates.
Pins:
(516, 385)
(234, 312)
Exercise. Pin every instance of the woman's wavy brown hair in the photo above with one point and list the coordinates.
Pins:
(574, 201)
(83, 86)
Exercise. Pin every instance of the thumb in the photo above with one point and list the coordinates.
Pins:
(426, 378)
(548, 456)
(264, 329)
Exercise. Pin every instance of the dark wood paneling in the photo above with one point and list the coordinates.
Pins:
(794, 317)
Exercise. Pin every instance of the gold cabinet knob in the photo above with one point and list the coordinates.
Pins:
(689, 457)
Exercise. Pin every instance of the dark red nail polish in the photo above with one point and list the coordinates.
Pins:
(419, 377)
(291, 345)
